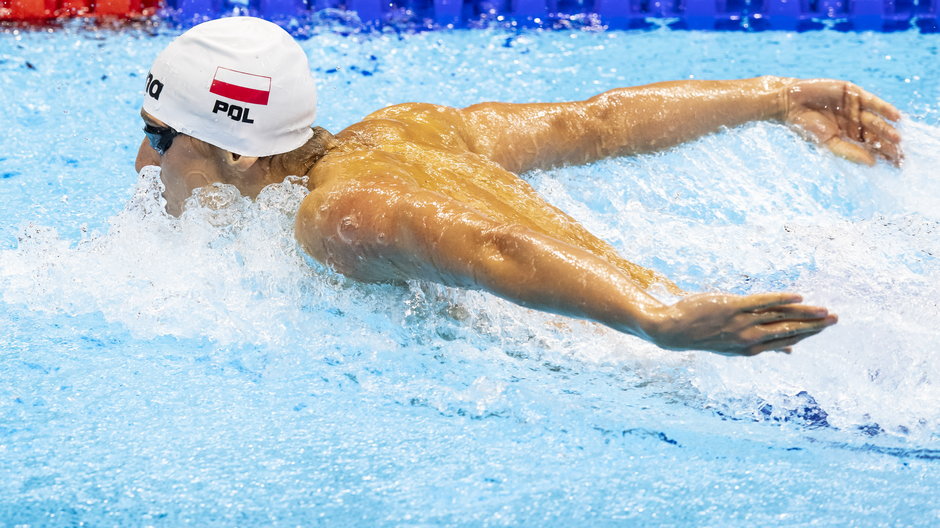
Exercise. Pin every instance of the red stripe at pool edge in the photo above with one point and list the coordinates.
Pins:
(239, 93)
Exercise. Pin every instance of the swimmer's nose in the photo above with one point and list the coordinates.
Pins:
(146, 156)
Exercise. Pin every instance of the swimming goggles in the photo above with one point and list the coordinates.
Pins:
(160, 137)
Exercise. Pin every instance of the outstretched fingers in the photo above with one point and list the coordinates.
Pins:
(852, 123)
(851, 151)
(867, 126)
(875, 124)
(777, 321)
(877, 105)
(761, 301)
(789, 312)
(783, 345)
(775, 336)
(881, 137)
(788, 329)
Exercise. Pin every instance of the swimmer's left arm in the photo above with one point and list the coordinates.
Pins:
(839, 115)
(844, 118)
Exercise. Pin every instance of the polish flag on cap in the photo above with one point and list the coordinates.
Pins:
(241, 86)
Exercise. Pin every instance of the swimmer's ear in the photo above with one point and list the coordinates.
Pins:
(238, 162)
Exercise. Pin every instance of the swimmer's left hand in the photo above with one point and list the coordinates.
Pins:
(849, 121)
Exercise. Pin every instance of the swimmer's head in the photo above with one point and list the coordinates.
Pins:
(230, 101)
(241, 84)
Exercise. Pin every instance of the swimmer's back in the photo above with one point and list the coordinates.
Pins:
(423, 147)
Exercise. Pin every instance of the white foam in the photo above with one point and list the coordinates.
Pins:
(751, 210)
(224, 273)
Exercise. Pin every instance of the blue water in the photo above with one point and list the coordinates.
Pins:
(201, 371)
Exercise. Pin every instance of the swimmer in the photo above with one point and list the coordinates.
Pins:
(428, 192)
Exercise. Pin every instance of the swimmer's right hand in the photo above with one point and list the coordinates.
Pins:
(736, 325)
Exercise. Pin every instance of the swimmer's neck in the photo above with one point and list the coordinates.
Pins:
(303, 161)
(339, 158)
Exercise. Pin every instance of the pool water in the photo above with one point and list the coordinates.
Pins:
(202, 371)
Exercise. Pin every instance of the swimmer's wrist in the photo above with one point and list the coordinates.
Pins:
(657, 324)
(777, 90)
(652, 322)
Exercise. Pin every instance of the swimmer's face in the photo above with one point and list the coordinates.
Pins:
(186, 165)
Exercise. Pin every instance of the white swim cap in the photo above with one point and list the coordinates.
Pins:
(240, 83)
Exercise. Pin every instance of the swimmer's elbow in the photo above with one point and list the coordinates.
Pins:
(504, 260)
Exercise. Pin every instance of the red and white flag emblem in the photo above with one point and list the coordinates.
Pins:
(241, 86)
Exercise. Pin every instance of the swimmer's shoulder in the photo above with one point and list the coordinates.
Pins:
(417, 112)
(357, 162)
(432, 125)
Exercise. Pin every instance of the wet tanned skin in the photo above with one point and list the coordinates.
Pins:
(419, 191)
(418, 147)
(429, 192)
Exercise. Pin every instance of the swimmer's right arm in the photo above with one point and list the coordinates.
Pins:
(396, 231)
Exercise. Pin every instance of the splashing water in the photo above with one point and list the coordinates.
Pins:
(198, 276)
(202, 370)
(860, 241)
(229, 270)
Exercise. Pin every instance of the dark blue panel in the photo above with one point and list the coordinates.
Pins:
(878, 15)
